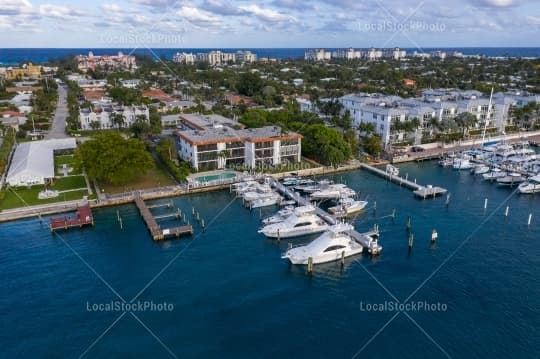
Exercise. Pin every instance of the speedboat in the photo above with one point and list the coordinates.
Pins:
(347, 206)
(462, 164)
(302, 221)
(332, 245)
(494, 174)
(333, 192)
(265, 201)
(512, 179)
(532, 185)
(280, 215)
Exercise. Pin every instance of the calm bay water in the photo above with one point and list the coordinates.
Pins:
(42, 55)
(234, 297)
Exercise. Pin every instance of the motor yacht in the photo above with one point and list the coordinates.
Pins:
(302, 221)
(532, 185)
(334, 244)
(480, 169)
(347, 206)
(265, 201)
(333, 192)
(494, 174)
(511, 179)
(280, 215)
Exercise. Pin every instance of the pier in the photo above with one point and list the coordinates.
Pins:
(418, 190)
(83, 218)
(154, 228)
(367, 240)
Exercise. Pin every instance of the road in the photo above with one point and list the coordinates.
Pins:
(58, 127)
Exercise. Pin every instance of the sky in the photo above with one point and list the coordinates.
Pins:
(269, 23)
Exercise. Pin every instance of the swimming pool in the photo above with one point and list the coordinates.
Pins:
(216, 177)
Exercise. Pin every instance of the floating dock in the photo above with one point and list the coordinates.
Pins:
(418, 190)
(367, 240)
(154, 228)
(83, 218)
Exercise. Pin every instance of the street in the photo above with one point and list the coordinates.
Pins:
(58, 127)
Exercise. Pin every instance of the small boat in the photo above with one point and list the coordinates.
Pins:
(332, 245)
(494, 174)
(347, 206)
(265, 201)
(447, 162)
(333, 192)
(392, 170)
(301, 222)
(462, 164)
(480, 169)
(532, 185)
(280, 215)
(512, 179)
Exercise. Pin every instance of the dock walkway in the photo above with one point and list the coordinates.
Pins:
(418, 190)
(84, 217)
(365, 239)
(155, 229)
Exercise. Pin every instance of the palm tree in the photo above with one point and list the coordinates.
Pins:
(465, 120)
(95, 125)
(118, 119)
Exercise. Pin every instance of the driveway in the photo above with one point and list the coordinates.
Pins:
(58, 127)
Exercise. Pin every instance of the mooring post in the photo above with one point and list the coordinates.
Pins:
(393, 215)
(411, 240)
(408, 225)
(310, 265)
(529, 220)
(202, 223)
(485, 203)
(434, 235)
(506, 211)
(342, 258)
(447, 200)
(193, 210)
(278, 235)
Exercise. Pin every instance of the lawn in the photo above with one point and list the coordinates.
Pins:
(21, 197)
(67, 183)
(156, 177)
(68, 160)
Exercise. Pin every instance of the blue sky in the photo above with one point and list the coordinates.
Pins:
(271, 23)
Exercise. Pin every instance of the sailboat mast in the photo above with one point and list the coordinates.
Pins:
(487, 117)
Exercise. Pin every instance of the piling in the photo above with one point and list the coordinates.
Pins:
(197, 216)
(530, 219)
(506, 211)
(411, 240)
(393, 215)
(310, 265)
(289, 245)
(193, 210)
(375, 205)
(408, 224)
(278, 235)
(202, 223)
(447, 200)
(342, 258)
(121, 224)
(485, 204)
(434, 235)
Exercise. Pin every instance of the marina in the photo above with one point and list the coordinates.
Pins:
(157, 233)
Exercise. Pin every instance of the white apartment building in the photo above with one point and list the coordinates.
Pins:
(216, 57)
(347, 54)
(217, 148)
(317, 55)
(103, 113)
(245, 56)
(185, 58)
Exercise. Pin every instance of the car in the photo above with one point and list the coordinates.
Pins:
(417, 149)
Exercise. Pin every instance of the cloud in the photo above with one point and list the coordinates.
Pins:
(15, 7)
(58, 11)
(221, 8)
(269, 15)
(198, 16)
(293, 4)
(533, 20)
(497, 3)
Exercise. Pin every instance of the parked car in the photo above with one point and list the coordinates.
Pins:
(417, 149)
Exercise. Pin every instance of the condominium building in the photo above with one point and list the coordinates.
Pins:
(245, 56)
(217, 148)
(102, 115)
(25, 71)
(317, 55)
(216, 57)
(120, 61)
(185, 58)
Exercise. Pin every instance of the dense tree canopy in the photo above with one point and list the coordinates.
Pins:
(111, 158)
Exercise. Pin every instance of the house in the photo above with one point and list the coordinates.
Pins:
(25, 71)
(222, 147)
(409, 82)
(12, 119)
(33, 162)
(102, 115)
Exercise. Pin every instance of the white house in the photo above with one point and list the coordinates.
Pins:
(103, 113)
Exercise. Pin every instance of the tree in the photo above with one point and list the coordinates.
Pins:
(111, 158)
(465, 120)
(372, 144)
(249, 84)
(140, 127)
(155, 120)
(95, 125)
(366, 127)
(325, 145)
(118, 119)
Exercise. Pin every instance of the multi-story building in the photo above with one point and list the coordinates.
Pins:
(120, 61)
(221, 147)
(216, 57)
(102, 115)
(25, 71)
(317, 55)
(347, 54)
(185, 58)
(245, 56)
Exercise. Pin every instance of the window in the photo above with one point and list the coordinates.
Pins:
(302, 224)
(334, 248)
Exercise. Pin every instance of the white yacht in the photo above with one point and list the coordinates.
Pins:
(532, 185)
(462, 164)
(347, 206)
(332, 245)
(280, 215)
(303, 221)
(333, 192)
(494, 174)
(480, 169)
(511, 179)
(265, 201)
(392, 170)
(259, 191)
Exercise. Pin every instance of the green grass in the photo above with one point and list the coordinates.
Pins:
(156, 177)
(21, 197)
(68, 160)
(67, 183)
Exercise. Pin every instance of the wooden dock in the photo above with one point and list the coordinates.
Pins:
(83, 218)
(418, 190)
(154, 228)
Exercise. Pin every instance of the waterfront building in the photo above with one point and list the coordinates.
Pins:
(102, 115)
(33, 162)
(216, 57)
(223, 146)
(185, 58)
(347, 54)
(245, 56)
(115, 62)
(25, 71)
(317, 55)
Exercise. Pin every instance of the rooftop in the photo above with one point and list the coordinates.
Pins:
(225, 134)
(204, 122)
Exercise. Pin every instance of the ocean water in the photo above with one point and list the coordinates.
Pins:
(12, 56)
(234, 297)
